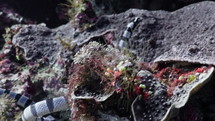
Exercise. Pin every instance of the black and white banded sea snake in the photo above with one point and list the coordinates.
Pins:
(123, 43)
(36, 111)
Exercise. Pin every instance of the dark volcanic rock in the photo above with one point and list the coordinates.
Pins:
(186, 34)
(156, 105)
(193, 37)
(40, 41)
(37, 41)
(183, 35)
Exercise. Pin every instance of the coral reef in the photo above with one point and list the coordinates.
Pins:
(149, 96)
(89, 77)
(103, 83)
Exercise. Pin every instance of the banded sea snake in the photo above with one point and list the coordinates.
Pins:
(36, 111)
(123, 43)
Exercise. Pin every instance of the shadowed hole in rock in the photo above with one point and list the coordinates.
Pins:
(92, 88)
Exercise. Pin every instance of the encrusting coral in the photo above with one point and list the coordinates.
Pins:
(104, 83)
(102, 80)
(150, 93)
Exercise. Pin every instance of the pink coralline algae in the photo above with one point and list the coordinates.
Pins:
(6, 66)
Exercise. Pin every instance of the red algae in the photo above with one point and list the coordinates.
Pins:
(177, 77)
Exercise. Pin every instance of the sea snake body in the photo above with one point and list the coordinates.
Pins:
(36, 111)
(44, 107)
(123, 43)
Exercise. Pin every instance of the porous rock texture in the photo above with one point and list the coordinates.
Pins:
(37, 41)
(182, 35)
(155, 107)
(186, 34)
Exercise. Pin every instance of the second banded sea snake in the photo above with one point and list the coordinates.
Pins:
(126, 35)
(36, 111)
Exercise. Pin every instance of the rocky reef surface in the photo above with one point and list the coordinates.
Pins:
(41, 62)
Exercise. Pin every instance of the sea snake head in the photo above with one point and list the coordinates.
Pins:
(136, 20)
